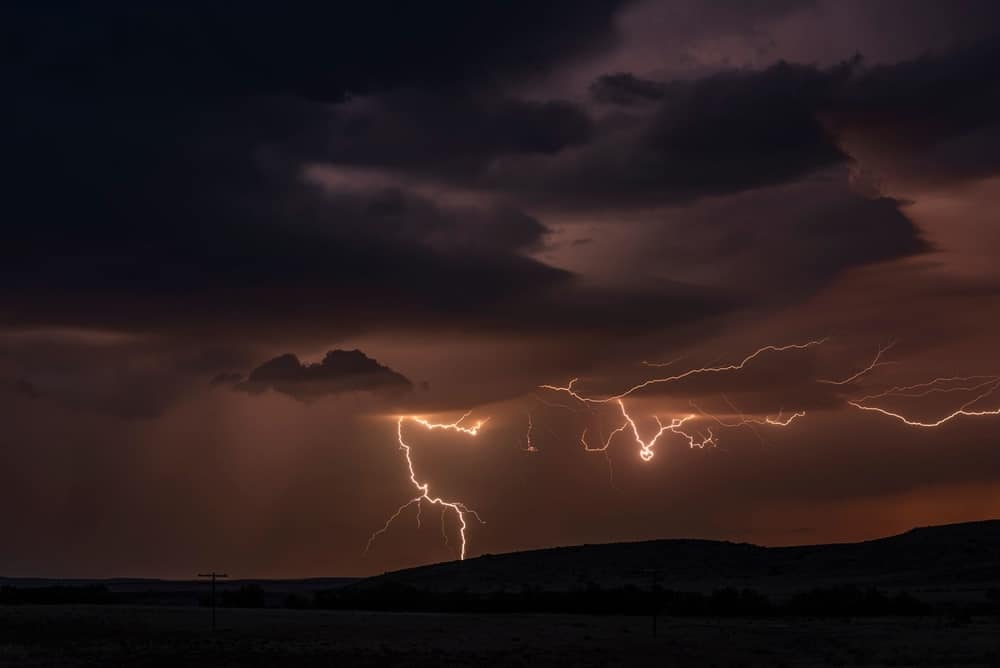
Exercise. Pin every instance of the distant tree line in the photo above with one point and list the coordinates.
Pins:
(246, 596)
(846, 601)
(839, 601)
(57, 595)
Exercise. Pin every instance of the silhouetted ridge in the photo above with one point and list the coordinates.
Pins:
(943, 556)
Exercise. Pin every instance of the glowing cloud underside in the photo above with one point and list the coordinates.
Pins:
(975, 391)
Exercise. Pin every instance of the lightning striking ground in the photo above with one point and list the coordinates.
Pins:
(459, 509)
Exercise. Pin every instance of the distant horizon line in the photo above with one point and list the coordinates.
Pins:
(312, 578)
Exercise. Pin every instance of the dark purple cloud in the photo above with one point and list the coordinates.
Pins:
(314, 50)
(340, 371)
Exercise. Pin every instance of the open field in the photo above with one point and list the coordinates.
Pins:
(175, 636)
(803, 610)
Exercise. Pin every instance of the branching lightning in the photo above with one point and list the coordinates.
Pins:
(988, 389)
(646, 446)
(938, 385)
(459, 509)
(700, 441)
(568, 389)
(977, 390)
(984, 386)
(779, 420)
(876, 362)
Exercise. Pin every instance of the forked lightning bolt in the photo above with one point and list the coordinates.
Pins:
(965, 410)
(779, 420)
(457, 507)
(977, 389)
(876, 362)
(946, 385)
(675, 425)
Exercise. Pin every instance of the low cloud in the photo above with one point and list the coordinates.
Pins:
(341, 371)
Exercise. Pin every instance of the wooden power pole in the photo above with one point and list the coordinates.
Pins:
(214, 577)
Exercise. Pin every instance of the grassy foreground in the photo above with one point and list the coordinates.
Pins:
(165, 636)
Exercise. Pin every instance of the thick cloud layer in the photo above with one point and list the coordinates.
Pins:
(487, 197)
(155, 202)
(317, 50)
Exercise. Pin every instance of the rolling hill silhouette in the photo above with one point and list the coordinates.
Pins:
(962, 557)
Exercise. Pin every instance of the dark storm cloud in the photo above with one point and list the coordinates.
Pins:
(397, 216)
(935, 116)
(720, 134)
(317, 50)
(724, 133)
(153, 202)
(926, 99)
(737, 130)
(782, 243)
(626, 89)
(132, 216)
(203, 220)
(449, 131)
(340, 371)
(142, 198)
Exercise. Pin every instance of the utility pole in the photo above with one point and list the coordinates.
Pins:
(214, 576)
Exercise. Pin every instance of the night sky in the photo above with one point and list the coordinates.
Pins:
(461, 203)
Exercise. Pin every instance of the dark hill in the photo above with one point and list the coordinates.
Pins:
(955, 557)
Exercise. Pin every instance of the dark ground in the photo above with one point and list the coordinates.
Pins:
(175, 636)
(932, 562)
(951, 575)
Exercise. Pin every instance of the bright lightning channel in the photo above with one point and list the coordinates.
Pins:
(568, 388)
(459, 509)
